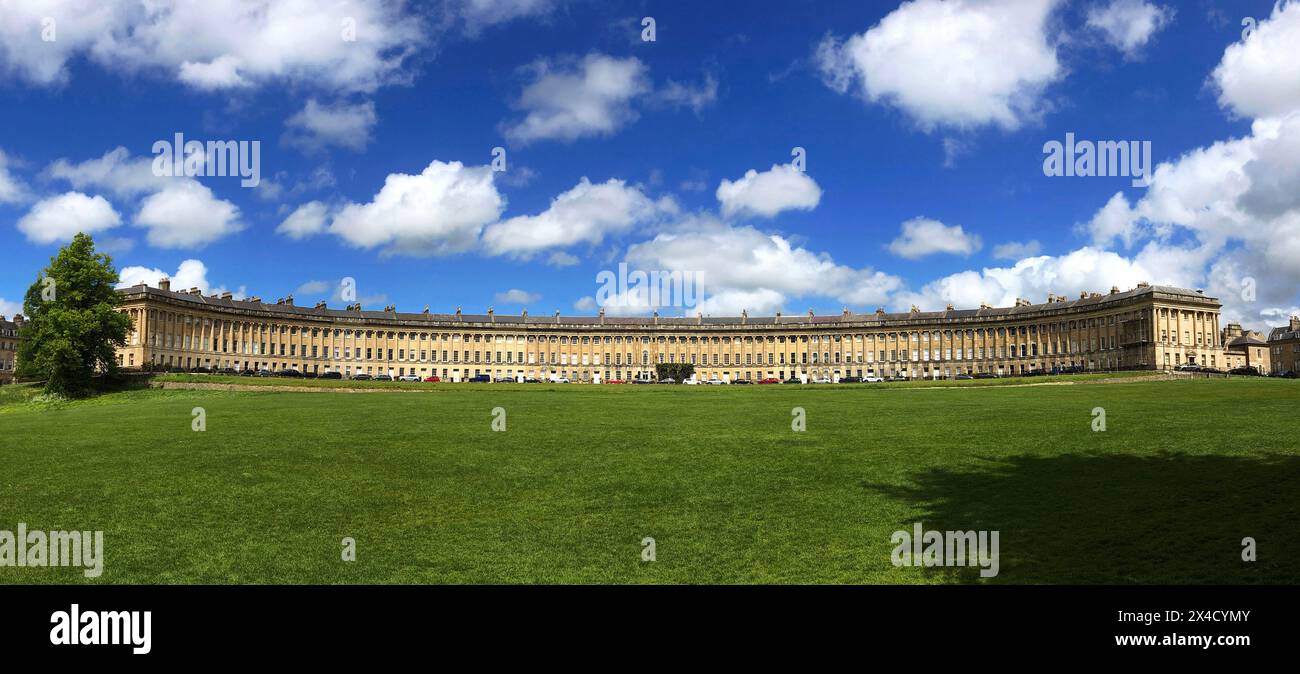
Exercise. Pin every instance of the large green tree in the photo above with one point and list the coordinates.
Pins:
(73, 325)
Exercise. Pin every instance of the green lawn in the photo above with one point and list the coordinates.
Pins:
(715, 475)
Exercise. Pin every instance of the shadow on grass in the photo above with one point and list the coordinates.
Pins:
(1165, 518)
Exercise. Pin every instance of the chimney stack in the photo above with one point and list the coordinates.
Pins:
(492, 315)
(227, 296)
(164, 283)
(1295, 322)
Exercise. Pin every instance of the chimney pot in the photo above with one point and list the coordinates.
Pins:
(164, 283)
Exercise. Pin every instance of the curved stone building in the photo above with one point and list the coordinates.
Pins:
(1148, 327)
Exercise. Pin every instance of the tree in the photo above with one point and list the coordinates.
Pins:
(72, 325)
(676, 371)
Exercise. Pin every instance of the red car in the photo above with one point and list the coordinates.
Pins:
(432, 380)
(615, 381)
(769, 380)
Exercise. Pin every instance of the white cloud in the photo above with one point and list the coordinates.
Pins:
(1260, 76)
(216, 44)
(116, 171)
(1087, 269)
(759, 273)
(59, 218)
(318, 126)
(12, 189)
(922, 236)
(696, 98)
(567, 101)
(1129, 24)
(561, 259)
(8, 309)
(766, 194)
(956, 63)
(479, 14)
(587, 213)
(312, 288)
(190, 274)
(185, 214)
(517, 296)
(306, 220)
(438, 212)
(1014, 250)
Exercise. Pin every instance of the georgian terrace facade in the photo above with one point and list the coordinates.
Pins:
(1149, 327)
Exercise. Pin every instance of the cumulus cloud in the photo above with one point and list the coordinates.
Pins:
(953, 63)
(339, 45)
(780, 188)
(696, 98)
(438, 212)
(922, 236)
(1087, 269)
(1014, 250)
(185, 214)
(59, 218)
(760, 273)
(516, 296)
(1260, 75)
(1128, 25)
(12, 189)
(306, 220)
(190, 274)
(318, 126)
(116, 172)
(477, 15)
(8, 309)
(567, 101)
(587, 213)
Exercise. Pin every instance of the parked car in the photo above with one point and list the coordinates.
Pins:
(642, 381)
(667, 380)
(480, 379)
(985, 375)
(742, 382)
(383, 377)
(769, 380)
(265, 373)
(792, 380)
(963, 377)
(1245, 371)
(409, 377)
(361, 377)
(331, 375)
(692, 382)
(228, 371)
(560, 380)
(432, 380)
(850, 380)
(615, 381)
(1291, 375)
(200, 370)
(714, 382)
(532, 380)
(872, 379)
(821, 380)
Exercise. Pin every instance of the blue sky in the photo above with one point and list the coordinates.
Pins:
(922, 125)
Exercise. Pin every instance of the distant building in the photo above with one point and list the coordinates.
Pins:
(1145, 328)
(1284, 347)
(9, 347)
(1245, 348)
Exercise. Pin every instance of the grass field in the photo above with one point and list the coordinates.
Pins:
(1184, 471)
